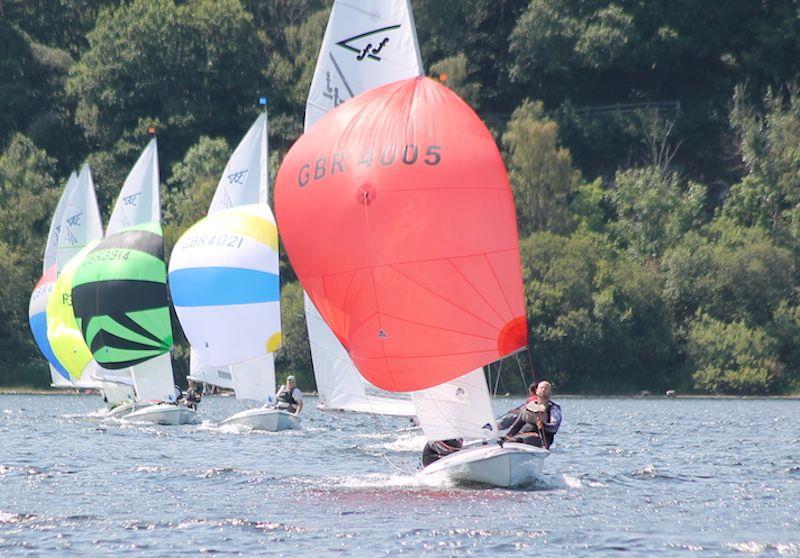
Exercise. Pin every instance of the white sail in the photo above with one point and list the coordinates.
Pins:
(50, 249)
(254, 380)
(199, 371)
(153, 381)
(460, 408)
(340, 386)
(57, 380)
(366, 44)
(244, 180)
(80, 221)
(139, 201)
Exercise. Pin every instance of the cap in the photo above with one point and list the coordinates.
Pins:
(291, 378)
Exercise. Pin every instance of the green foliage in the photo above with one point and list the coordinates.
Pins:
(769, 143)
(653, 211)
(541, 172)
(453, 72)
(598, 322)
(192, 186)
(732, 357)
(290, 71)
(59, 23)
(587, 208)
(732, 274)
(635, 290)
(27, 199)
(192, 66)
(21, 71)
(294, 357)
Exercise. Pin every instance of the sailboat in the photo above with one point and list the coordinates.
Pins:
(366, 44)
(223, 276)
(37, 309)
(119, 297)
(407, 245)
(78, 225)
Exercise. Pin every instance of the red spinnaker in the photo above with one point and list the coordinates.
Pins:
(398, 218)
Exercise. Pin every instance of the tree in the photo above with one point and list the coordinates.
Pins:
(28, 196)
(769, 196)
(653, 211)
(294, 355)
(732, 357)
(597, 319)
(541, 172)
(191, 187)
(193, 66)
(452, 71)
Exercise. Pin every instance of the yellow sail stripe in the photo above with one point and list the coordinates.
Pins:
(237, 221)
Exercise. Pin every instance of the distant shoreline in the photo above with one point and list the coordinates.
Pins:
(10, 390)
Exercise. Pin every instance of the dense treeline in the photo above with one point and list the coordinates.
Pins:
(652, 148)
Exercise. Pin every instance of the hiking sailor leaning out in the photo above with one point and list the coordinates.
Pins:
(540, 417)
(289, 397)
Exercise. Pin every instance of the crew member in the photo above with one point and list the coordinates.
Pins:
(539, 418)
(433, 451)
(289, 397)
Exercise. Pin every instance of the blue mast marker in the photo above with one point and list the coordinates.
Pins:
(262, 101)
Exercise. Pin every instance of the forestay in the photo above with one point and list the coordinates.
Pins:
(366, 44)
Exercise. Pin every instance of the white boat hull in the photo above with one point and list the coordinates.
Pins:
(268, 419)
(164, 413)
(511, 465)
(124, 409)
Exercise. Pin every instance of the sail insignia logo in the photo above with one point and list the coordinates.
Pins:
(131, 200)
(332, 90)
(369, 44)
(75, 220)
(238, 177)
(460, 394)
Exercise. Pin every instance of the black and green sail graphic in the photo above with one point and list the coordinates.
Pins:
(119, 296)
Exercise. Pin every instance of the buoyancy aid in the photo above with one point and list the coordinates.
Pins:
(285, 396)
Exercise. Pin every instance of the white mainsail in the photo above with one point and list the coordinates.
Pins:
(460, 408)
(366, 44)
(139, 201)
(233, 331)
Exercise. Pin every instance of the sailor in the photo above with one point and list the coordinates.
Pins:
(511, 416)
(289, 397)
(433, 451)
(193, 395)
(539, 418)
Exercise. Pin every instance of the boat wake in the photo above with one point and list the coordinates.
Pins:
(405, 443)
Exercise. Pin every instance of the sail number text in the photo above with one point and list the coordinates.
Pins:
(385, 156)
(221, 240)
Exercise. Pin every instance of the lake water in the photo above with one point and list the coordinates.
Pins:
(669, 477)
